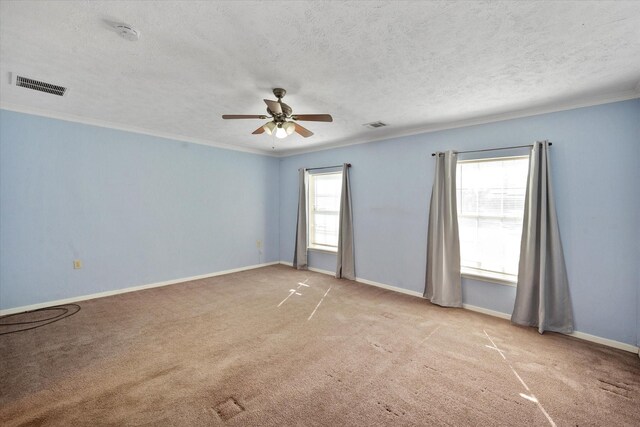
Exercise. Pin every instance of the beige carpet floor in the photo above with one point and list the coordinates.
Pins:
(244, 350)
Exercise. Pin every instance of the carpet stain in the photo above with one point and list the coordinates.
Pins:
(390, 410)
(228, 409)
(334, 377)
(380, 348)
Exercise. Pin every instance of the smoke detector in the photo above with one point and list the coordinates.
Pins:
(127, 32)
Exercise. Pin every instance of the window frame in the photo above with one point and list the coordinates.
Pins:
(477, 273)
(309, 174)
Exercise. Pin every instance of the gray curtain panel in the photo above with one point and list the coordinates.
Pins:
(345, 267)
(300, 254)
(542, 296)
(443, 282)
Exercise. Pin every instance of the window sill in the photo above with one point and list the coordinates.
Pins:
(323, 250)
(489, 279)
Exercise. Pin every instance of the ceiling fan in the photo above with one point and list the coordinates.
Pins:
(283, 120)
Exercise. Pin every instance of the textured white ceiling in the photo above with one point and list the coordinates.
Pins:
(413, 65)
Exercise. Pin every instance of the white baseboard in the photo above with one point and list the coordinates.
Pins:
(605, 341)
(125, 290)
(581, 335)
(487, 311)
(389, 287)
(361, 280)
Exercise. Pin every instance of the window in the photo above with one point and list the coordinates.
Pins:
(490, 196)
(324, 209)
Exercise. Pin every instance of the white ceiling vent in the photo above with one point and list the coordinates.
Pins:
(375, 125)
(127, 32)
(28, 83)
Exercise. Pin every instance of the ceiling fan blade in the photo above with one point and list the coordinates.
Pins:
(274, 106)
(303, 131)
(313, 117)
(241, 116)
(258, 131)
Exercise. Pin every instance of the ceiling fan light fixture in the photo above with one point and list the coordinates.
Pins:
(289, 127)
(281, 115)
(269, 128)
(281, 132)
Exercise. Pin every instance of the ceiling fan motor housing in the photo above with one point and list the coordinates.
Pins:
(286, 112)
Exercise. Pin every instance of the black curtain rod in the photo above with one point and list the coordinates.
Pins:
(327, 167)
(494, 149)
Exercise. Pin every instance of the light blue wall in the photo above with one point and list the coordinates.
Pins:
(139, 209)
(135, 209)
(596, 173)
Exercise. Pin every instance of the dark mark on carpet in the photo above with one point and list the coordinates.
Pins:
(228, 409)
(381, 348)
(618, 385)
(390, 410)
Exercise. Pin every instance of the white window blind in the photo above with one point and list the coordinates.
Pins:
(324, 209)
(490, 196)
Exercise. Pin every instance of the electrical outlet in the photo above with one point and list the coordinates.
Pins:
(259, 244)
(77, 264)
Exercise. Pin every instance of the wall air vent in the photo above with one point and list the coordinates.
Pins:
(375, 125)
(40, 86)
